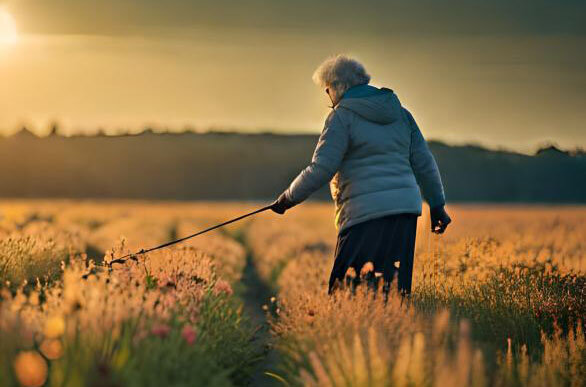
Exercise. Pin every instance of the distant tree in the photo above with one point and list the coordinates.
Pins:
(24, 132)
(188, 129)
(54, 129)
(147, 130)
(550, 149)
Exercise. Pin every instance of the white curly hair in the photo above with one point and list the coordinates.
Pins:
(340, 73)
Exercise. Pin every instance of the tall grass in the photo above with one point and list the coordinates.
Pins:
(498, 301)
(169, 318)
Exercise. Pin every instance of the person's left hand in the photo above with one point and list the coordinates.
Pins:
(282, 204)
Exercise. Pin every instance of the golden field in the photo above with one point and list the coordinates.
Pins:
(499, 299)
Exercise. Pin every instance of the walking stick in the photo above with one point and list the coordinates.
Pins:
(167, 244)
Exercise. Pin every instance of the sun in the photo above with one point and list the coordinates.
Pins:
(8, 32)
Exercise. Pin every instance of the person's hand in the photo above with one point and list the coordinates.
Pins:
(439, 219)
(282, 204)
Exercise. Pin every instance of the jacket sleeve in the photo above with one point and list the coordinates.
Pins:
(424, 166)
(327, 157)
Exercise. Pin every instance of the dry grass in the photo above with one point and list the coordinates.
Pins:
(498, 300)
(495, 301)
(169, 318)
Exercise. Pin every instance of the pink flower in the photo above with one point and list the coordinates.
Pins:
(161, 330)
(223, 287)
(189, 334)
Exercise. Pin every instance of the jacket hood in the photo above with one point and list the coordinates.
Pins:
(377, 105)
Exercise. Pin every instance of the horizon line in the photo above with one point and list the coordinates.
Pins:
(148, 130)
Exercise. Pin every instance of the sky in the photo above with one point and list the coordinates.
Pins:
(503, 74)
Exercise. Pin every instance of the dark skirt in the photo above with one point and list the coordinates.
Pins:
(382, 241)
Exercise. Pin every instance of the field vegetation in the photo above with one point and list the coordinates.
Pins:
(169, 318)
(500, 299)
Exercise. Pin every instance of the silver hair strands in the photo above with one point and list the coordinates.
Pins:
(340, 73)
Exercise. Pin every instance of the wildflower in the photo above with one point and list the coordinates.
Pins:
(161, 330)
(223, 287)
(52, 349)
(351, 272)
(30, 369)
(189, 334)
(54, 327)
(367, 268)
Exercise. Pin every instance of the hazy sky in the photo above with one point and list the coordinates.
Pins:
(500, 72)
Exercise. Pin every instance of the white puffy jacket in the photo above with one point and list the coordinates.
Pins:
(376, 158)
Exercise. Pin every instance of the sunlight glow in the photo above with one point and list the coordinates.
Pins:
(8, 32)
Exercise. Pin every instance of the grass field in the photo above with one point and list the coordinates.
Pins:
(498, 300)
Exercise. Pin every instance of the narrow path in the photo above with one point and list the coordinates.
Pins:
(255, 294)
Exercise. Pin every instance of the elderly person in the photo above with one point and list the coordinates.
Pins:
(376, 160)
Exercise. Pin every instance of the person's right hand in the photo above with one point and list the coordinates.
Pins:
(439, 219)
(282, 204)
